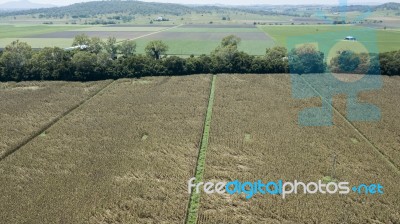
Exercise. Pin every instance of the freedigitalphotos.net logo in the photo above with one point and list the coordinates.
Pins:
(350, 39)
(249, 189)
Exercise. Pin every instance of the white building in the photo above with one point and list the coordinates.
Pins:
(350, 38)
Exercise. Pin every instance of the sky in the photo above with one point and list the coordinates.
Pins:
(226, 2)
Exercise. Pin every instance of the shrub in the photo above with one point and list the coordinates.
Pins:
(51, 63)
(306, 59)
(14, 62)
(390, 63)
(175, 65)
(84, 64)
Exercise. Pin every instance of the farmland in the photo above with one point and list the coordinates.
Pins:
(125, 155)
(182, 40)
(384, 134)
(27, 107)
(255, 134)
(23, 30)
(386, 40)
(189, 39)
(120, 157)
(200, 28)
(115, 130)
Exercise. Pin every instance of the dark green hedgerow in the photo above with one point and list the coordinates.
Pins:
(18, 62)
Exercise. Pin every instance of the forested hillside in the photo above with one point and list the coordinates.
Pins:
(365, 8)
(90, 9)
(95, 8)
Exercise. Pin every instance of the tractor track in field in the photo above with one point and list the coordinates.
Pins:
(194, 200)
(379, 152)
(45, 127)
(149, 34)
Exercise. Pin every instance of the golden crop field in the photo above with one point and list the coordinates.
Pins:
(26, 107)
(255, 135)
(123, 151)
(121, 157)
(385, 135)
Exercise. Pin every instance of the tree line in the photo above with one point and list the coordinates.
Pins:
(133, 8)
(95, 8)
(95, 59)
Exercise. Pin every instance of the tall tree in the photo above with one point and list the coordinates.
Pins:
(127, 48)
(227, 48)
(84, 64)
(95, 45)
(306, 59)
(50, 63)
(224, 54)
(81, 39)
(15, 60)
(156, 48)
(230, 40)
(111, 47)
(277, 60)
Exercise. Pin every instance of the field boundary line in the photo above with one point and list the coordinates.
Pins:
(194, 200)
(149, 34)
(381, 154)
(41, 130)
(268, 35)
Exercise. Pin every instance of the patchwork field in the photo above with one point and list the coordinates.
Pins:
(202, 39)
(126, 154)
(194, 39)
(121, 157)
(182, 40)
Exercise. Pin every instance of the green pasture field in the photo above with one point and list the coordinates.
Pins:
(387, 40)
(280, 33)
(18, 31)
(39, 42)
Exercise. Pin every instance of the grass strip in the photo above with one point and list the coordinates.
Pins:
(194, 201)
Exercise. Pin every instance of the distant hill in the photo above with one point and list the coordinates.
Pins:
(365, 8)
(23, 5)
(132, 7)
(389, 6)
(88, 9)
